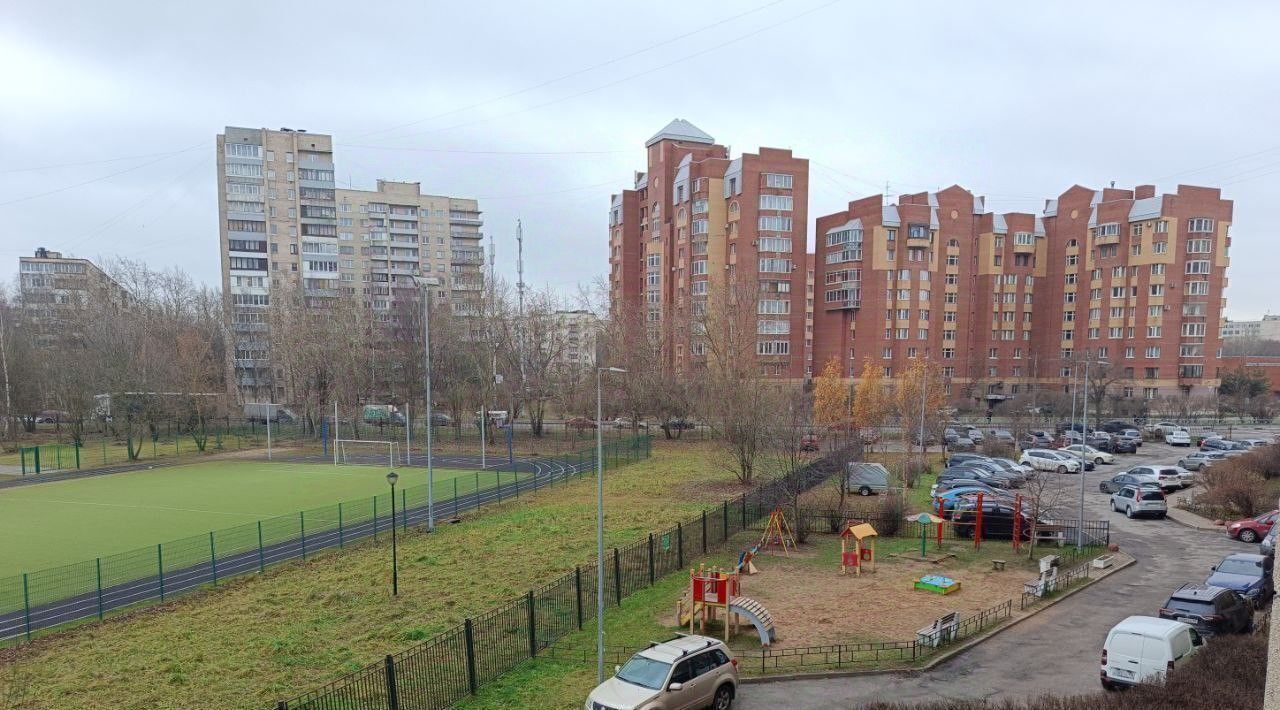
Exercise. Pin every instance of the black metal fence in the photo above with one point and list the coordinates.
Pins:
(441, 671)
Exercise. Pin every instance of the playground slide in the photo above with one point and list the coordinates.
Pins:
(755, 612)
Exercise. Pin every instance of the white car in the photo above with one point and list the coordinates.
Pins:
(1049, 460)
(1178, 437)
(1141, 649)
(1186, 478)
(1090, 453)
(1167, 477)
(1254, 443)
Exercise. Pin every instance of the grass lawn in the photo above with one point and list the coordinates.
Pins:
(50, 524)
(303, 624)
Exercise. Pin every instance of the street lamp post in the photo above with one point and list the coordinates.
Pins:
(426, 283)
(600, 522)
(1084, 426)
(392, 477)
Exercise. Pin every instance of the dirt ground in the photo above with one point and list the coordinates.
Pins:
(813, 604)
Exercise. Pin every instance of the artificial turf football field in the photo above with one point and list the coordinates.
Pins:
(62, 522)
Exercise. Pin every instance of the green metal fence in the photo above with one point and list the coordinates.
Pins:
(49, 457)
(86, 590)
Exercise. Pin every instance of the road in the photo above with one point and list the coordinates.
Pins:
(1055, 651)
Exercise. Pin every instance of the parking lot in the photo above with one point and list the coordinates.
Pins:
(1056, 651)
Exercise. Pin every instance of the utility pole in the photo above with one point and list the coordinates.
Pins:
(520, 334)
(4, 364)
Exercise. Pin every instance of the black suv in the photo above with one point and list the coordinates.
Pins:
(1212, 610)
(997, 520)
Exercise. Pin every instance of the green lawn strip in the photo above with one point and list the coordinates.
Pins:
(65, 522)
(304, 624)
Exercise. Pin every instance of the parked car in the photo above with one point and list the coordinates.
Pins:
(1017, 478)
(977, 475)
(1115, 426)
(1177, 437)
(957, 458)
(866, 478)
(975, 434)
(1070, 426)
(1166, 476)
(1197, 460)
(685, 672)
(1248, 574)
(1134, 501)
(1161, 428)
(961, 443)
(954, 483)
(1252, 529)
(1186, 479)
(1255, 443)
(1122, 444)
(1133, 434)
(1211, 610)
(1003, 436)
(1223, 445)
(1037, 440)
(997, 520)
(1205, 436)
(579, 423)
(627, 423)
(1120, 480)
(1090, 454)
(1141, 649)
(1011, 465)
(1268, 545)
(1048, 460)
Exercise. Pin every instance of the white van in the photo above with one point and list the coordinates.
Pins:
(1141, 649)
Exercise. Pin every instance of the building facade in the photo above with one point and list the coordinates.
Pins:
(577, 332)
(698, 225)
(1009, 303)
(1268, 328)
(53, 286)
(1267, 366)
(286, 229)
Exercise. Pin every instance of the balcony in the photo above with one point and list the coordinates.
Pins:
(411, 228)
(321, 292)
(467, 257)
(1024, 248)
(469, 218)
(467, 286)
(249, 327)
(924, 241)
(1106, 239)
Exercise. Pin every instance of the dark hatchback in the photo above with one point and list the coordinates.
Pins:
(1211, 610)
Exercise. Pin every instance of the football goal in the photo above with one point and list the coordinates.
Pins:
(364, 452)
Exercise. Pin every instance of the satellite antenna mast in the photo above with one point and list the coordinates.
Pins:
(520, 334)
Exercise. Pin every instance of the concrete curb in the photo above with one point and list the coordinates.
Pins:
(1188, 519)
(947, 655)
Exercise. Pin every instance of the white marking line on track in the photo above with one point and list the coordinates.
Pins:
(145, 507)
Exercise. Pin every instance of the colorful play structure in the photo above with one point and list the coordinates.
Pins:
(937, 584)
(777, 533)
(714, 591)
(863, 550)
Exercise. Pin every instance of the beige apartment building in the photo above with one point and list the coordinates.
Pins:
(286, 228)
(51, 285)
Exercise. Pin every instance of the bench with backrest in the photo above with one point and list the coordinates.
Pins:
(942, 630)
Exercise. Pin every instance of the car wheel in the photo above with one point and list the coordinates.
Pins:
(724, 698)
(1097, 461)
(1062, 469)
(1248, 535)
(864, 491)
(1162, 516)
(1108, 685)
(1114, 509)
(1128, 512)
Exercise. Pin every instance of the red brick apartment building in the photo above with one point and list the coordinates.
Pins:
(1006, 302)
(1266, 365)
(697, 222)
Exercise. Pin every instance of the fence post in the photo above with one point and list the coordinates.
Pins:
(650, 559)
(393, 698)
(577, 587)
(724, 531)
(262, 561)
(160, 567)
(302, 528)
(98, 563)
(533, 625)
(375, 518)
(77, 456)
(617, 576)
(213, 560)
(680, 545)
(26, 604)
(341, 541)
(404, 509)
(704, 531)
(744, 511)
(469, 636)
(455, 496)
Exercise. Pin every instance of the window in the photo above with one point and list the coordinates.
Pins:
(1153, 331)
(1073, 259)
(1068, 316)
(999, 242)
(1135, 250)
(902, 333)
(1129, 352)
(1135, 230)
(773, 347)
(917, 231)
(1152, 352)
(993, 353)
(243, 150)
(1115, 333)
(773, 307)
(775, 266)
(1151, 373)
(1118, 291)
(774, 224)
(1024, 238)
(1193, 309)
(1108, 250)
(1197, 288)
(1193, 330)
(890, 235)
(1191, 350)
(1117, 272)
(1069, 297)
(1111, 229)
(1070, 279)
(699, 267)
(1200, 224)
(1157, 269)
(1157, 289)
(698, 288)
(1199, 246)
(1151, 392)
(699, 206)
(773, 327)
(949, 335)
(1068, 334)
(773, 202)
(844, 236)
(915, 254)
(1198, 267)
(782, 244)
(778, 180)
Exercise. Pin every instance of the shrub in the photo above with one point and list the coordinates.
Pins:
(998, 449)
(914, 469)
(889, 515)
(1265, 460)
(1233, 484)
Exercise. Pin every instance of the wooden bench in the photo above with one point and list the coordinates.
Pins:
(944, 628)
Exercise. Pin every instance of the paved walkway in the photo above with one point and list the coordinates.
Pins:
(1186, 517)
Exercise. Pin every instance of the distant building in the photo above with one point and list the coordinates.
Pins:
(53, 286)
(1266, 365)
(578, 330)
(1268, 328)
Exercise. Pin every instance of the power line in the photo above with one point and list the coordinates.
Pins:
(551, 192)
(104, 177)
(483, 152)
(1214, 165)
(629, 77)
(81, 163)
(579, 72)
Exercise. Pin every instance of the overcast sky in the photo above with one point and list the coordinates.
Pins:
(109, 110)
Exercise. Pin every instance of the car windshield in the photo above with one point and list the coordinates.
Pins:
(644, 672)
(1193, 606)
(1249, 568)
(1152, 494)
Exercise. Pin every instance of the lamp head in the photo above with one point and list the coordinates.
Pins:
(392, 477)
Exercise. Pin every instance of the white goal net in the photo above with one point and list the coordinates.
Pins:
(363, 452)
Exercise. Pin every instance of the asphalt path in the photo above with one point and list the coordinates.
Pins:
(93, 603)
(1057, 650)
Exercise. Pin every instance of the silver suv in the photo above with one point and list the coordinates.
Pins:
(685, 672)
(1134, 501)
